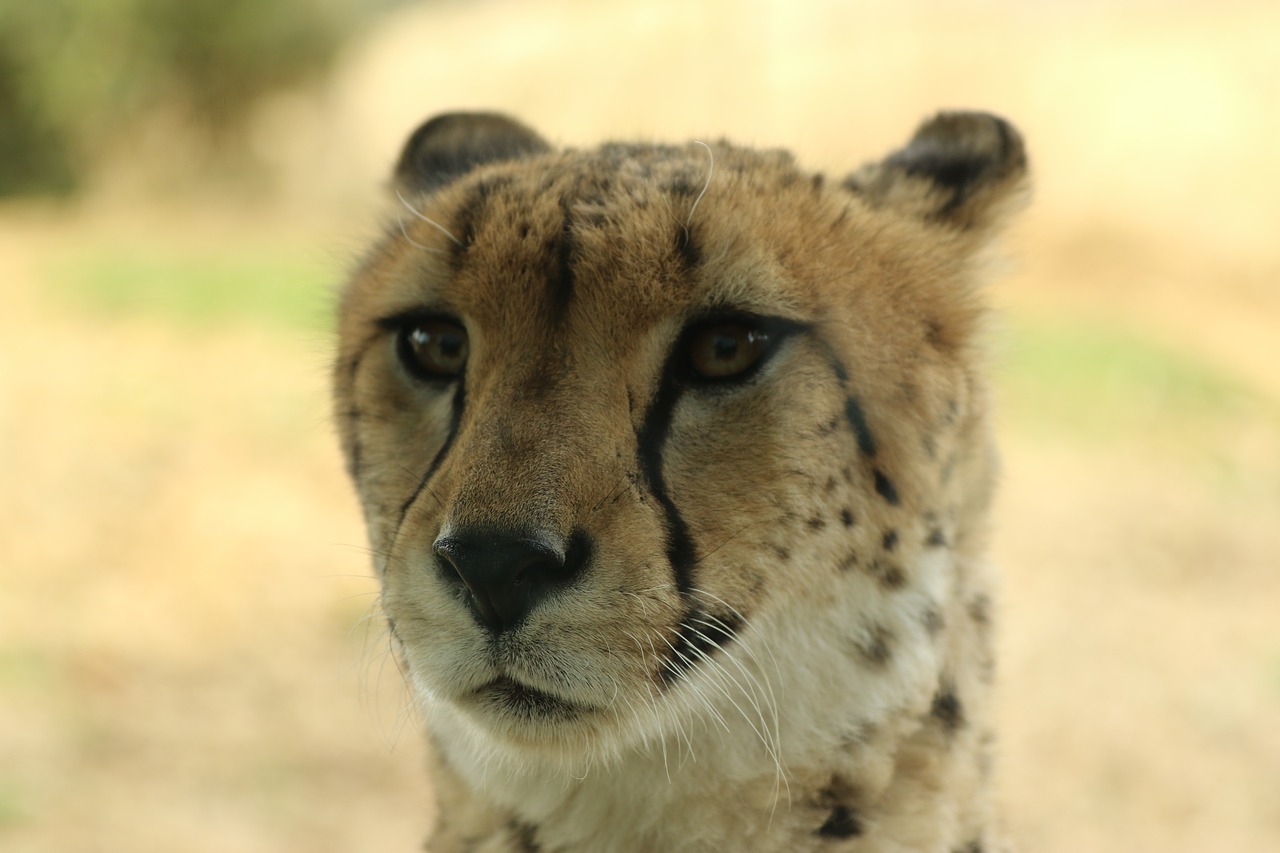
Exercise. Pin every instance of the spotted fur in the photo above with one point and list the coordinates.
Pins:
(753, 615)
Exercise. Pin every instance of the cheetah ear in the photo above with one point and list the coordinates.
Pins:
(451, 144)
(964, 170)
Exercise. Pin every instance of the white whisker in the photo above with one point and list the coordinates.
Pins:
(427, 219)
(711, 168)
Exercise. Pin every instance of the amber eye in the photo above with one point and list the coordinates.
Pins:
(727, 350)
(432, 349)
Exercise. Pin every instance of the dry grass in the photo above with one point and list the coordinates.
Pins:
(183, 663)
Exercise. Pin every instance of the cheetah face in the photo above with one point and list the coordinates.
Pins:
(620, 418)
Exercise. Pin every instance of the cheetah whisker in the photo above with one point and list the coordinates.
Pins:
(427, 219)
(711, 168)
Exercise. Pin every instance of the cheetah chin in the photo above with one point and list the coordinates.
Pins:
(676, 465)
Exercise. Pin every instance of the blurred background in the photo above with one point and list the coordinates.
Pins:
(185, 659)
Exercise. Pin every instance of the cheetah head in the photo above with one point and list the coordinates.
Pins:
(646, 435)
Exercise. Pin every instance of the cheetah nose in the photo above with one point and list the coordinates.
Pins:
(506, 574)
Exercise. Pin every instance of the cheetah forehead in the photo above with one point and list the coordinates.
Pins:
(496, 224)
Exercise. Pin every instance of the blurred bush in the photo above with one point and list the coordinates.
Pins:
(78, 78)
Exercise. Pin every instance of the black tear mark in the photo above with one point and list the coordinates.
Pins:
(858, 423)
(947, 708)
(698, 637)
(651, 439)
(841, 823)
(886, 488)
(455, 418)
(890, 540)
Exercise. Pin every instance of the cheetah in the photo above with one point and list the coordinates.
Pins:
(676, 464)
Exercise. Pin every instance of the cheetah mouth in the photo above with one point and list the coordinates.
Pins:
(510, 697)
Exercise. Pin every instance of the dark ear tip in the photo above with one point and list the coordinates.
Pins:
(451, 144)
(956, 147)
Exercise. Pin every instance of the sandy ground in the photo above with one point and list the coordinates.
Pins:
(185, 662)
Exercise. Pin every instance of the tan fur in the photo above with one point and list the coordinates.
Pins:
(850, 708)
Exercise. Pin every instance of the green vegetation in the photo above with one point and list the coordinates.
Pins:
(12, 810)
(201, 290)
(1105, 382)
(79, 78)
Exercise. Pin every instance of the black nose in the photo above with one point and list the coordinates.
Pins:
(506, 574)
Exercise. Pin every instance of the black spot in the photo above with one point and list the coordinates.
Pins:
(816, 523)
(847, 473)
(933, 621)
(890, 540)
(980, 609)
(933, 333)
(782, 553)
(889, 574)
(817, 181)
(841, 823)
(682, 185)
(831, 485)
(936, 538)
(974, 846)
(847, 562)
(858, 423)
(947, 709)
(846, 517)
(886, 488)
(525, 836)
(875, 644)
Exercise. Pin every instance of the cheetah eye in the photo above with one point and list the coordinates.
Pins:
(432, 348)
(726, 350)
